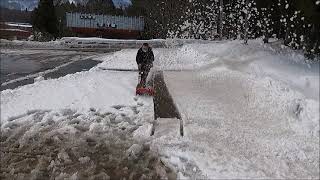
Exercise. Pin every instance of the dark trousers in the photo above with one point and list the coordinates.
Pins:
(144, 71)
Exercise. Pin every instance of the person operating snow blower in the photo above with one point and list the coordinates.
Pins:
(144, 58)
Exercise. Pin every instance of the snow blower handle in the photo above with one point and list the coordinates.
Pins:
(139, 73)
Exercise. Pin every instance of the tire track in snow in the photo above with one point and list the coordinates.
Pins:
(60, 71)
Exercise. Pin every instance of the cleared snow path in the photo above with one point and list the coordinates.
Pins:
(164, 108)
(163, 104)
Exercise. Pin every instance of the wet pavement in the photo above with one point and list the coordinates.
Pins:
(164, 106)
(77, 66)
(23, 63)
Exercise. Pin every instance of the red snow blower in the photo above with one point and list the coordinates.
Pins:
(141, 89)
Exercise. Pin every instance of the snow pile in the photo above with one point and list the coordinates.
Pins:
(236, 126)
(124, 59)
(68, 144)
(14, 24)
(300, 112)
(15, 30)
(181, 58)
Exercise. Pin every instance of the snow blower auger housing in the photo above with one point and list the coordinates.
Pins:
(141, 88)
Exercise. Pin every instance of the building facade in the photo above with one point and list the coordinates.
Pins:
(91, 25)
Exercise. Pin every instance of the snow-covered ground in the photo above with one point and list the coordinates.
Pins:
(83, 125)
(248, 112)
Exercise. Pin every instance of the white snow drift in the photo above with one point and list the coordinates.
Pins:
(248, 112)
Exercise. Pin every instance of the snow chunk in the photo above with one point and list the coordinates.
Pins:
(38, 79)
(287, 6)
(84, 160)
(63, 155)
(134, 151)
(143, 132)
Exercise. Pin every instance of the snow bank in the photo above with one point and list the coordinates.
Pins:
(164, 42)
(237, 126)
(66, 144)
(81, 91)
(124, 59)
(175, 58)
(76, 42)
(183, 58)
(110, 43)
(103, 40)
(27, 25)
(15, 30)
(31, 44)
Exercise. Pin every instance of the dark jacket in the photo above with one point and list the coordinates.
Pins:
(145, 57)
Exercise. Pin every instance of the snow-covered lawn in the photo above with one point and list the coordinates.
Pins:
(248, 112)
